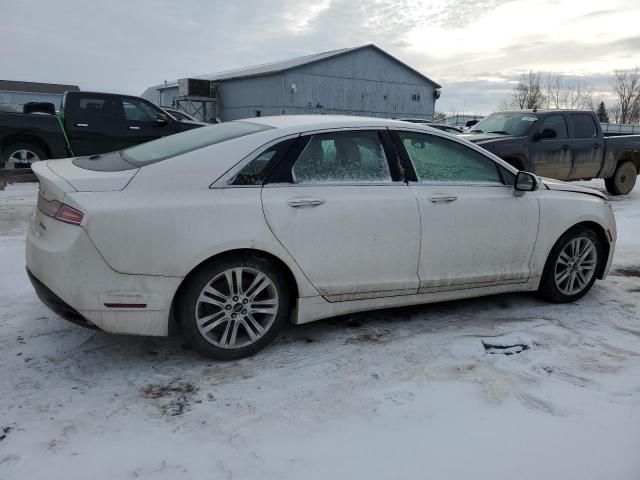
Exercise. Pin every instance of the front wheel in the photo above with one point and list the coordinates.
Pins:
(623, 179)
(233, 308)
(571, 268)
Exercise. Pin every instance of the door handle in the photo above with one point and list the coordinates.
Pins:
(596, 145)
(305, 202)
(442, 198)
(565, 147)
(131, 127)
(82, 124)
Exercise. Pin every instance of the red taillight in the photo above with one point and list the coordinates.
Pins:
(69, 214)
(60, 211)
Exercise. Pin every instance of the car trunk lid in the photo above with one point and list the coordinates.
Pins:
(83, 179)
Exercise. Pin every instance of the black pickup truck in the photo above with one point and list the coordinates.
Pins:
(94, 123)
(562, 144)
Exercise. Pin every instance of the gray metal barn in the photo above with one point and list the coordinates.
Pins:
(364, 80)
(14, 94)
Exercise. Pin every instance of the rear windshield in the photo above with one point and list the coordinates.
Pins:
(188, 141)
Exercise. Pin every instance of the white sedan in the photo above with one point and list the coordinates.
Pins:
(227, 232)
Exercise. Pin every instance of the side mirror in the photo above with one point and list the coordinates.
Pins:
(525, 182)
(161, 120)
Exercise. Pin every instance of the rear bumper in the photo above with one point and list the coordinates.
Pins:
(57, 305)
(72, 279)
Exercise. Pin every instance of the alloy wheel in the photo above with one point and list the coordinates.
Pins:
(576, 265)
(22, 157)
(236, 308)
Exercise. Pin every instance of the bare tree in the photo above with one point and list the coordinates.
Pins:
(627, 88)
(566, 92)
(528, 93)
(614, 114)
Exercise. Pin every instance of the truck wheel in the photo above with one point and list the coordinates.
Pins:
(22, 155)
(623, 180)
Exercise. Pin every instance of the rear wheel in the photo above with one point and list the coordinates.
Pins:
(22, 155)
(234, 308)
(571, 268)
(623, 179)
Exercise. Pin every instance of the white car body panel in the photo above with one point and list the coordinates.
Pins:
(83, 180)
(366, 247)
(498, 227)
(362, 241)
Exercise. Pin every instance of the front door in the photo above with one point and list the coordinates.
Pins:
(475, 231)
(142, 122)
(552, 155)
(346, 220)
(587, 145)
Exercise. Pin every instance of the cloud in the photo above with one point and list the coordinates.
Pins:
(127, 46)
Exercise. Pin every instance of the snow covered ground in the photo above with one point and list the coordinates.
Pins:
(413, 393)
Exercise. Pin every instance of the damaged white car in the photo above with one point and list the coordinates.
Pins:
(229, 231)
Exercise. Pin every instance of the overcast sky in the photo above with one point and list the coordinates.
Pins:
(474, 48)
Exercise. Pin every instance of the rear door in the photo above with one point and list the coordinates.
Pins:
(475, 231)
(340, 209)
(587, 146)
(552, 157)
(93, 123)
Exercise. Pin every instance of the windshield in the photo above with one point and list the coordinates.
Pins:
(188, 141)
(516, 124)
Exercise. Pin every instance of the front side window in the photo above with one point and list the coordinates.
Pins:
(138, 111)
(584, 126)
(437, 159)
(342, 157)
(557, 124)
(188, 141)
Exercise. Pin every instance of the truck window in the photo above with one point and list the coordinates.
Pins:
(583, 126)
(94, 108)
(138, 110)
(557, 123)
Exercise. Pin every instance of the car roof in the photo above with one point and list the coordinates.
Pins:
(311, 122)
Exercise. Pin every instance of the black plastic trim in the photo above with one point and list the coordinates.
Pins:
(57, 305)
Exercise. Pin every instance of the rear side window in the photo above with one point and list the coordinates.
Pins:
(174, 145)
(584, 126)
(96, 108)
(258, 169)
(353, 157)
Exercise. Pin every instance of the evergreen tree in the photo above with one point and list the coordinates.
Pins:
(602, 114)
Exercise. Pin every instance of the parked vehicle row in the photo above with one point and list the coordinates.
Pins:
(229, 231)
(561, 144)
(93, 123)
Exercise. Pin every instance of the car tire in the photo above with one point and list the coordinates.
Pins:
(27, 152)
(623, 179)
(220, 316)
(572, 266)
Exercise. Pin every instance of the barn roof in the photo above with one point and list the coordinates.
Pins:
(35, 87)
(284, 65)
